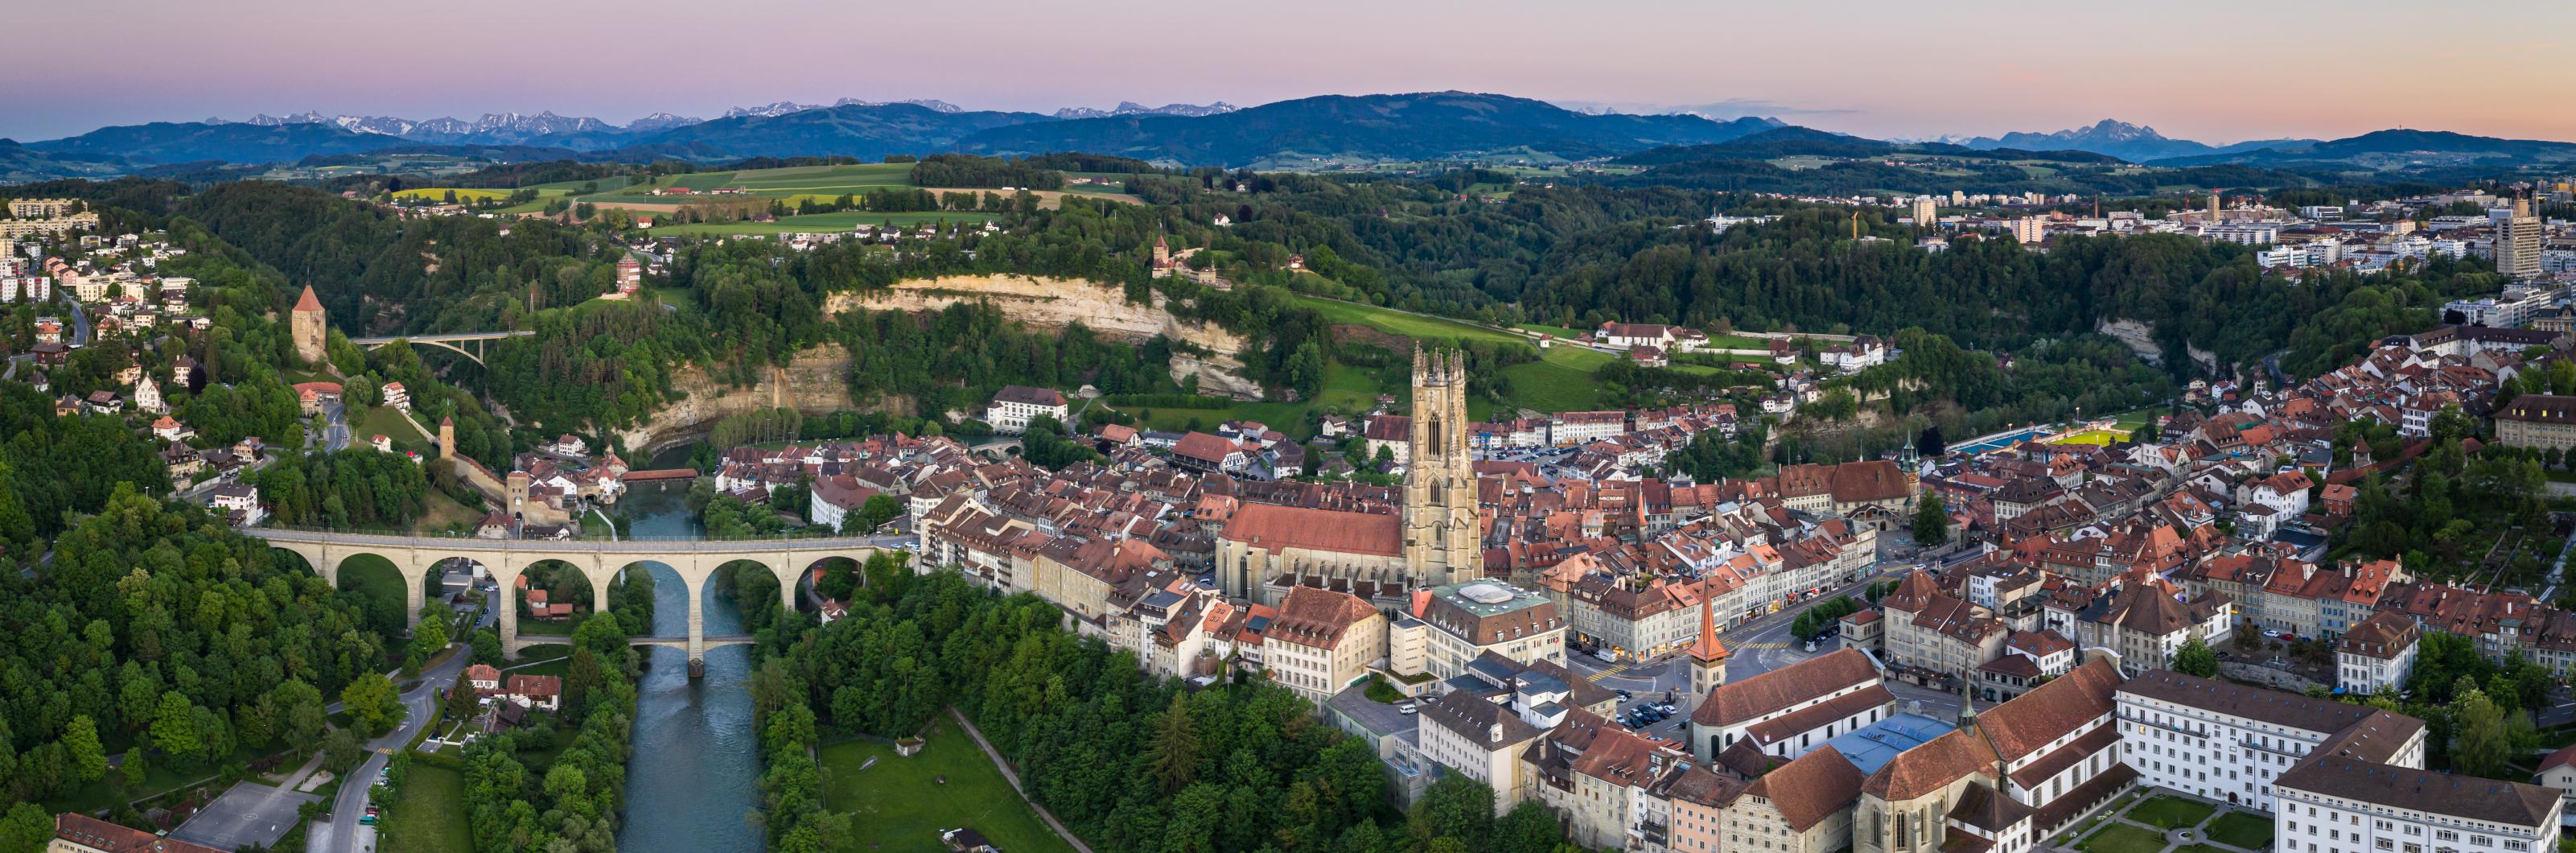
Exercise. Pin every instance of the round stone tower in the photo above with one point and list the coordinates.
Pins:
(307, 324)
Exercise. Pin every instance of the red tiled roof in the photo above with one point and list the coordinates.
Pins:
(1276, 528)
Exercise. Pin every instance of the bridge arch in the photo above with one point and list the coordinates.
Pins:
(694, 561)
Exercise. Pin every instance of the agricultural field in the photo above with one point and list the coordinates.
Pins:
(825, 182)
(816, 223)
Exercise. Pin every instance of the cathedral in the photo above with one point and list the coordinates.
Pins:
(1265, 549)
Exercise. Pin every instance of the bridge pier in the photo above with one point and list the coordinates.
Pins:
(415, 588)
(696, 581)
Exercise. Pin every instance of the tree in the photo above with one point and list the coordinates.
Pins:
(341, 749)
(174, 727)
(26, 829)
(1528, 828)
(487, 647)
(1175, 754)
(2482, 745)
(302, 717)
(1456, 807)
(431, 637)
(2195, 658)
(1929, 442)
(80, 744)
(371, 700)
(1931, 521)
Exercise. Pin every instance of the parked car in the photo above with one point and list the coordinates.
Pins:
(1406, 708)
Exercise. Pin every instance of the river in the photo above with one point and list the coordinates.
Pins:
(695, 776)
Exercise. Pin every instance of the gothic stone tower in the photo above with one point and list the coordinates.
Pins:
(306, 325)
(1441, 534)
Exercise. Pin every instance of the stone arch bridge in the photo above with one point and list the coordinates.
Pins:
(695, 560)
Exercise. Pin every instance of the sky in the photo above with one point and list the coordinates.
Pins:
(2213, 71)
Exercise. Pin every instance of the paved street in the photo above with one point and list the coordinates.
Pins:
(342, 834)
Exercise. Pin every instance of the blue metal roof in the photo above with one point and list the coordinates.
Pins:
(1873, 746)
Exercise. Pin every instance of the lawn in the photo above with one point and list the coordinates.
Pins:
(902, 804)
(390, 422)
(2122, 838)
(2170, 812)
(2242, 829)
(1560, 381)
(817, 223)
(429, 815)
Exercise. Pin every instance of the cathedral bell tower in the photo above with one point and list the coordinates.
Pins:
(1442, 536)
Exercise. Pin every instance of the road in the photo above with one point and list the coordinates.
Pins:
(1756, 647)
(342, 833)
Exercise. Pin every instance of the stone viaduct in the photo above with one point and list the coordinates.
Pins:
(695, 560)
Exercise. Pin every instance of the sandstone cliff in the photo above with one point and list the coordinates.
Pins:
(1053, 303)
(814, 382)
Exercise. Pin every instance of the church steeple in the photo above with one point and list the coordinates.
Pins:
(1442, 533)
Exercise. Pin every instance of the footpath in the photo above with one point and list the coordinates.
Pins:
(1013, 777)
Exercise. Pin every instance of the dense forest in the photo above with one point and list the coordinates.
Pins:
(160, 634)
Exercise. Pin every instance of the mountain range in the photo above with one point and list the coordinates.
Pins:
(2132, 142)
(1347, 128)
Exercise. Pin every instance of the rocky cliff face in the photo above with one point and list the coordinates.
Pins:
(2140, 337)
(1052, 303)
(816, 381)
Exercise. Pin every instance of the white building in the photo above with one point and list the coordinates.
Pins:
(2377, 654)
(2230, 742)
(1015, 405)
(2337, 804)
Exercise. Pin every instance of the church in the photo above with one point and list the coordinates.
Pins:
(1265, 549)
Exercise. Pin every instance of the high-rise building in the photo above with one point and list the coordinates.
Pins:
(2029, 229)
(2517, 242)
(1927, 213)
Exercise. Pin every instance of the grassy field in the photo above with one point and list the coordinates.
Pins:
(429, 816)
(463, 194)
(2168, 812)
(389, 421)
(902, 804)
(2242, 829)
(817, 223)
(1560, 381)
(822, 181)
(2122, 838)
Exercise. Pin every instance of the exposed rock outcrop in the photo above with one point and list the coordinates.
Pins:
(1054, 303)
(816, 381)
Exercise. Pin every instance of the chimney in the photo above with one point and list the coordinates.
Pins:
(1494, 733)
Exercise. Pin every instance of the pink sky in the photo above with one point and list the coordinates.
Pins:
(2213, 71)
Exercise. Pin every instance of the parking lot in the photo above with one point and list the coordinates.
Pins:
(249, 815)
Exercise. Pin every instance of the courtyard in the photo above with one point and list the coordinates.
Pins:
(2165, 822)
